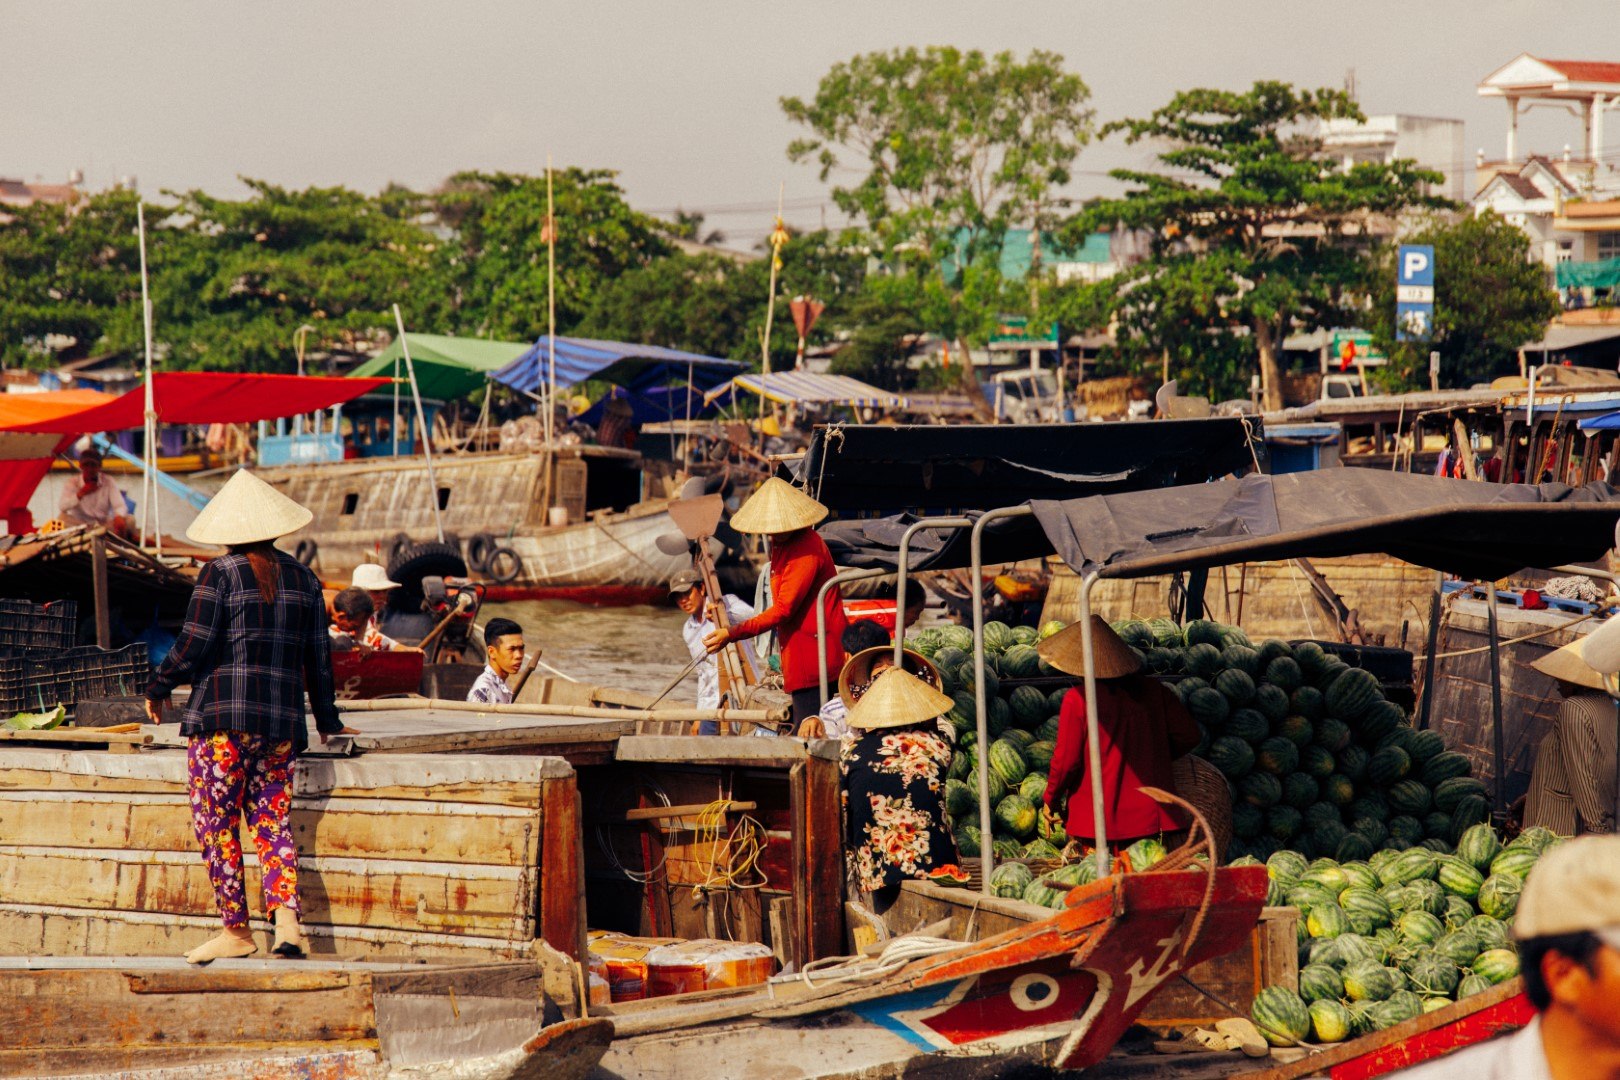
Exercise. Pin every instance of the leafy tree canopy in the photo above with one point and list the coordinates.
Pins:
(1255, 233)
(1489, 299)
(949, 142)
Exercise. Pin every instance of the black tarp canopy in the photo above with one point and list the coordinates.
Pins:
(1473, 530)
(875, 470)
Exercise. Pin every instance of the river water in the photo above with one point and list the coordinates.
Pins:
(632, 648)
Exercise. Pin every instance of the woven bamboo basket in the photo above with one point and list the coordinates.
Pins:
(1203, 785)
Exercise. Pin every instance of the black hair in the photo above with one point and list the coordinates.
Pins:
(496, 629)
(355, 603)
(1581, 947)
(862, 635)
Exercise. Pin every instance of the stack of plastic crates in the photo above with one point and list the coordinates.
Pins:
(41, 668)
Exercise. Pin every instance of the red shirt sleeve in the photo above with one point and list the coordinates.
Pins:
(791, 590)
(1068, 756)
(1179, 725)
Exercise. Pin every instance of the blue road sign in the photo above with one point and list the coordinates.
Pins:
(1414, 291)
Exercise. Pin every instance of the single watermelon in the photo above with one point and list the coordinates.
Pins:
(1270, 702)
(1277, 756)
(1236, 685)
(1009, 880)
(1499, 896)
(1281, 1016)
(1318, 761)
(1208, 705)
(1233, 756)
(1496, 966)
(1352, 694)
(1261, 789)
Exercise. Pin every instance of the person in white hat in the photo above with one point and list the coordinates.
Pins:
(686, 588)
(1568, 932)
(1572, 781)
(373, 578)
(254, 639)
(800, 566)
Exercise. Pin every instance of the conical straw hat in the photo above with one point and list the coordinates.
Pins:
(246, 511)
(1568, 665)
(777, 507)
(897, 698)
(858, 668)
(1113, 657)
(1600, 649)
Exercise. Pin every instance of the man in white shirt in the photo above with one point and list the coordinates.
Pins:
(1568, 931)
(691, 597)
(95, 499)
(504, 646)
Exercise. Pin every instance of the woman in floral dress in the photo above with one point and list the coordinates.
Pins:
(894, 762)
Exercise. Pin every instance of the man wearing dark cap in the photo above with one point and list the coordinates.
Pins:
(691, 597)
(94, 499)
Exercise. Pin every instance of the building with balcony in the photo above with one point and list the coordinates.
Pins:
(1433, 142)
(1586, 89)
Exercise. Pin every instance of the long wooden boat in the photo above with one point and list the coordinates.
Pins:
(579, 523)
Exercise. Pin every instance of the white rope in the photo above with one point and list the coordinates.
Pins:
(895, 955)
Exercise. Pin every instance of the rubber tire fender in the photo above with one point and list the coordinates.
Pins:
(479, 549)
(398, 549)
(504, 565)
(417, 562)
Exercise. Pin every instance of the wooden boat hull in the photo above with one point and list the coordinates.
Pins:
(1059, 993)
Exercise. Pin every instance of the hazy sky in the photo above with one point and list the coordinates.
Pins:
(681, 99)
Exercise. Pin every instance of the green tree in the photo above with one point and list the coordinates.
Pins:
(951, 143)
(1489, 299)
(68, 272)
(1255, 233)
(233, 280)
(496, 263)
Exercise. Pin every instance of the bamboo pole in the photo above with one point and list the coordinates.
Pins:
(551, 308)
(770, 301)
(149, 485)
(421, 424)
(585, 712)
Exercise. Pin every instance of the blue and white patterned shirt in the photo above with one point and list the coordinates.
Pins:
(490, 689)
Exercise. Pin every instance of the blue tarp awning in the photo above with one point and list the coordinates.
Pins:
(810, 388)
(635, 367)
(1607, 422)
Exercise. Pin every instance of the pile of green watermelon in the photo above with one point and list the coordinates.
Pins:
(1022, 724)
(1320, 762)
(1391, 937)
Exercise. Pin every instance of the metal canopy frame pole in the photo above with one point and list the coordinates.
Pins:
(1497, 755)
(1093, 735)
(900, 580)
(821, 616)
(1609, 683)
(987, 855)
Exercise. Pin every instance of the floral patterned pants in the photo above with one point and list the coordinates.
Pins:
(233, 774)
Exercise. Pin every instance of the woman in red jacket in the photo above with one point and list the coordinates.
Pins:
(1142, 725)
(800, 566)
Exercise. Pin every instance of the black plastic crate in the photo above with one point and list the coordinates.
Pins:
(11, 685)
(30, 629)
(95, 673)
(46, 683)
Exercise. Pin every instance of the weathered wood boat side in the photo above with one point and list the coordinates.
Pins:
(1058, 992)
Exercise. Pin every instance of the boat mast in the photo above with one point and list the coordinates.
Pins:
(421, 425)
(149, 487)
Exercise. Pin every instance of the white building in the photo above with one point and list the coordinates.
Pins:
(1531, 198)
(1433, 142)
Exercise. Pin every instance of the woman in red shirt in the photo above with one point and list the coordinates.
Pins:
(1142, 728)
(800, 566)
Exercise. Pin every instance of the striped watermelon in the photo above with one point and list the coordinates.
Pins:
(1409, 797)
(1242, 658)
(1247, 724)
(1009, 880)
(1320, 982)
(1359, 874)
(1233, 756)
(1261, 789)
(1021, 662)
(1428, 896)
(1320, 813)
(1145, 853)
(1478, 845)
(1033, 787)
(1432, 973)
(1451, 792)
(1331, 670)
(1332, 733)
(1406, 828)
(1205, 632)
(1352, 694)
(1287, 866)
(1284, 673)
(1471, 985)
(1203, 660)
(1358, 900)
(1281, 1016)
(1424, 746)
(1471, 810)
(998, 636)
(1028, 707)
(1039, 754)
(1306, 702)
(1420, 927)
(960, 800)
(1536, 838)
(1338, 790)
(1045, 893)
(1050, 828)
(1499, 896)
(1297, 730)
(968, 841)
(1517, 862)
(1436, 824)
(1310, 657)
(1408, 866)
(1330, 1020)
(1460, 946)
(1271, 702)
(1005, 847)
(1491, 933)
(1007, 761)
(1352, 761)
(1378, 721)
(1300, 791)
(1019, 736)
(1496, 966)
(1235, 685)
(1368, 980)
(1208, 706)
(1016, 814)
(1459, 878)
(1247, 821)
(1372, 830)
(1388, 765)
(1327, 837)
(1277, 756)
(1283, 821)
(1458, 912)
(1445, 766)
(961, 766)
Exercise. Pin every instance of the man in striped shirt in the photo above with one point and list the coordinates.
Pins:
(1572, 781)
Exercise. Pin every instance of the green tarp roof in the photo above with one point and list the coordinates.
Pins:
(1602, 274)
(447, 368)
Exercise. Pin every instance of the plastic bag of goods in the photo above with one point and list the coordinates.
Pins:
(706, 964)
(597, 988)
(624, 961)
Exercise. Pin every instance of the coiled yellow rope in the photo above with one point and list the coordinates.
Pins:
(733, 860)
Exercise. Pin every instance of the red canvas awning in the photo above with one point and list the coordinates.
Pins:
(200, 397)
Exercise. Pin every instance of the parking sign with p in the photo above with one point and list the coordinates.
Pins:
(1414, 291)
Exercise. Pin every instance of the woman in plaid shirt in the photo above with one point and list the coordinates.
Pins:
(254, 642)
